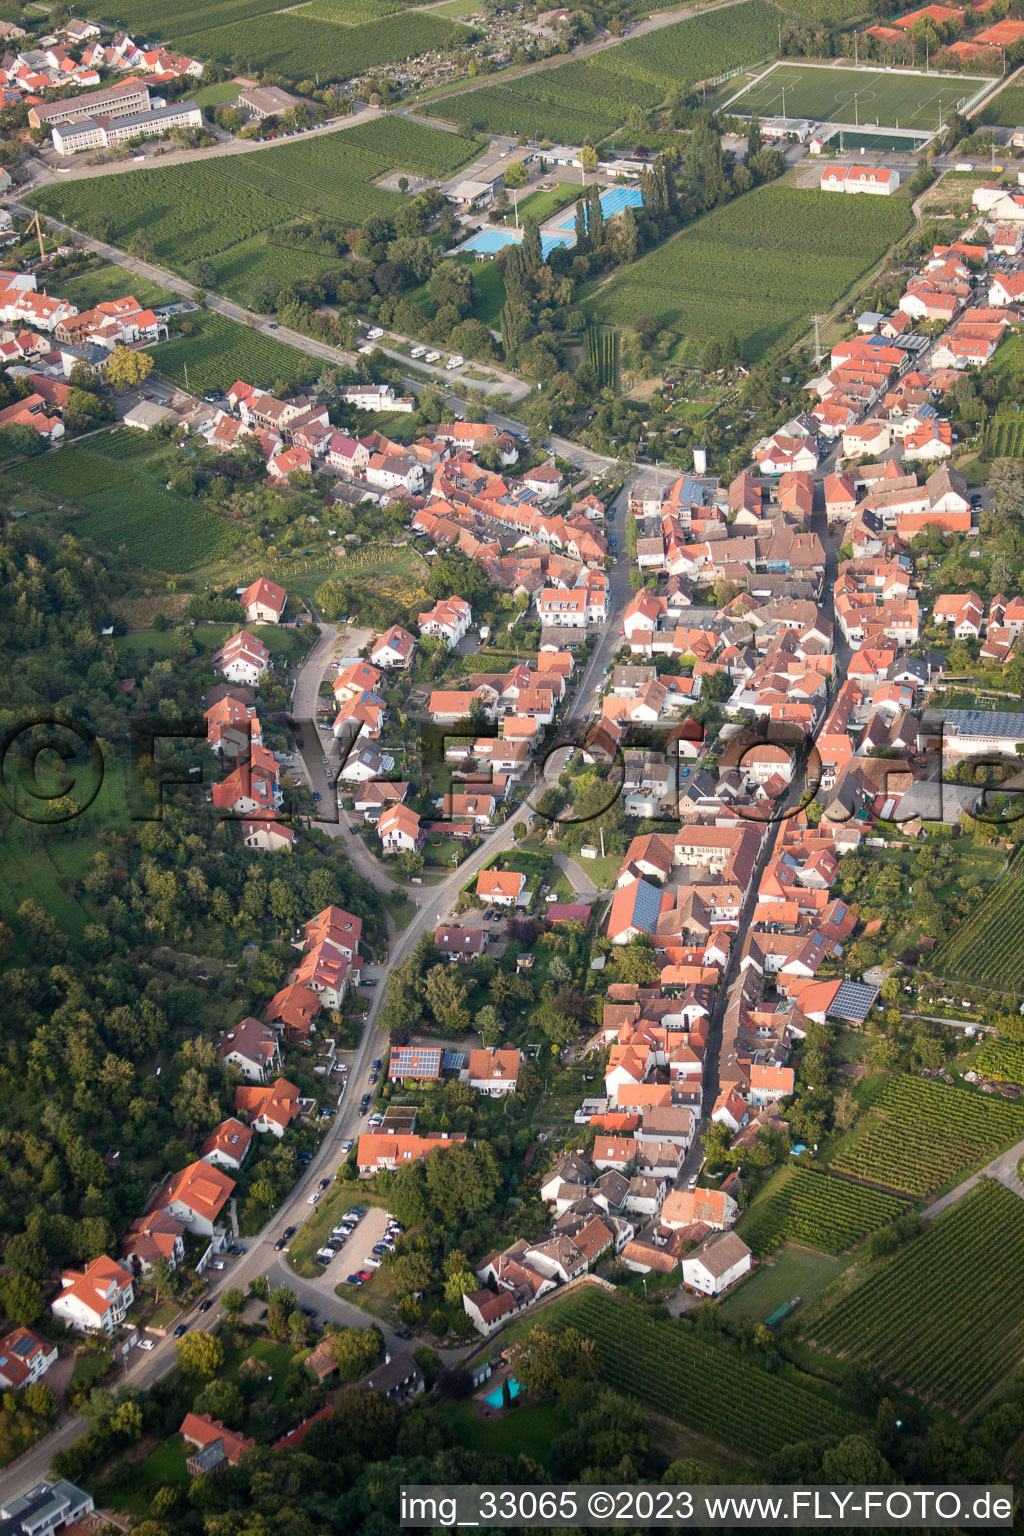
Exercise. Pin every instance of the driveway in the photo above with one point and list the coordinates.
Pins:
(1002, 1168)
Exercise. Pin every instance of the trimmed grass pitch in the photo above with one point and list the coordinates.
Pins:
(864, 96)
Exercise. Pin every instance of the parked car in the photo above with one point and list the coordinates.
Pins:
(347, 1146)
(372, 1263)
(365, 1273)
(324, 1184)
(402, 1332)
(282, 1242)
(354, 1280)
(290, 1231)
(146, 1344)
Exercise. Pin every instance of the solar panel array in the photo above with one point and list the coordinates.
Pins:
(415, 1061)
(984, 722)
(646, 906)
(854, 1000)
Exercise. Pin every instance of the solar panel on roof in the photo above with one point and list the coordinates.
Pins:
(983, 722)
(646, 906)
(415, 1061)
(453, 1061)
(854, 1001)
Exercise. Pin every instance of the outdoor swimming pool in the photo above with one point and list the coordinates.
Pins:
(612, 202)
(488, 242)
(497, 1397)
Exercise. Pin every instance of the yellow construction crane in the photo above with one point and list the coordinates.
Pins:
(34, 224)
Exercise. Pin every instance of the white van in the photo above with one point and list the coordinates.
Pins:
(418, 352)
(366, 348)
(455, 362)
(375, 333)
(433, 357)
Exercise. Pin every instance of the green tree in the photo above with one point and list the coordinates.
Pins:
(200, 1354)
(356, 1351)
(126, 369)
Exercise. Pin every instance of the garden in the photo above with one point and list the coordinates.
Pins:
(989, 947)
(944, 1316)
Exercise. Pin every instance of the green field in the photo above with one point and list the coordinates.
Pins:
(1005, 110)
(224, 351)
(110, 282)
(1004, 436)
(989, 946)
(125, 506)
(593, 97)
(865, 96)
(756, 268)
(944, 1317)
(804, 1205)
(919, 1136)
(698, 1379)
(227, 211)
(304, 47)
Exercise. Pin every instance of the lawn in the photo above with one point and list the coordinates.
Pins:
(866, 96)
(526, 1431)
(756, 268)
(541, 205)
(220, 351)
(110, 282)
(216, 95)
(137, 1483)
(231, 211)
(118, 504)
(790, 1272)
(490, 289)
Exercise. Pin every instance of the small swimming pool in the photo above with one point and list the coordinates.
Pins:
(490, 241)
(497, 1397)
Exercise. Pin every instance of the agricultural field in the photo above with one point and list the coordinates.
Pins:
(228, 210)
(696, 1379)
(804, 1205)
(1004, 436)
(1002, 1060)
(1006, 110)
(837, 13)
(602, 347)
(164, 19)
(594, 96)
(300, 47)
(944, 1317)
(348, 13)
(219, 352)
(919, 1135)
(755, 268)
(120, 505)
(989, 947)
(866, 96)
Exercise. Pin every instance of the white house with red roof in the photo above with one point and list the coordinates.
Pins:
(196, 1196)
(500, 887)
(494, 1071)
(243, 659)
(252, 1049)
(95, 1299)
(24, 1358)
(263, 602)
(860, 178)
(449, 618)
(394, 649)
(399, 830)
(228, 1145)
(271, 1106)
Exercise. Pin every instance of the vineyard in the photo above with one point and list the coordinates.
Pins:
(226, 210)
(593, 97)
(166, 19)
(819, 1211)
(124, 506)
(1002, 1060)
(755, 268)
(989, 946)
(698, 1379)
(920, 1135)
(602, 354)
(223, 352)
(944, 1317)
(1004, 436)
(1005, 110)
(300, 47)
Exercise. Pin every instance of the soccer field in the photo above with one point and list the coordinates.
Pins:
(874, 97)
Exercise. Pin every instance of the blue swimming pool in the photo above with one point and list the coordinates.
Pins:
(490, 241)
(612, 202)
(497, 1397)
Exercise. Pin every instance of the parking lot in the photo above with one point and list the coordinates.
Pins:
(358, 1248)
